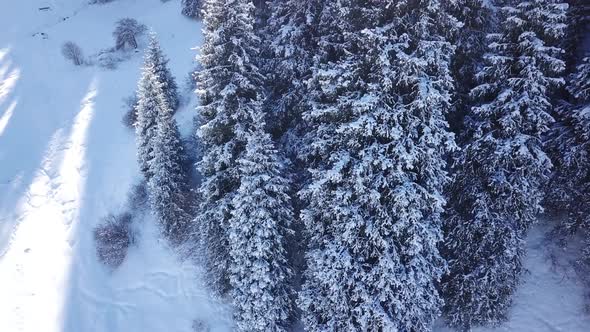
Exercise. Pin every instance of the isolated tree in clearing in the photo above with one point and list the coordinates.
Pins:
(126, 33)
(73, 52)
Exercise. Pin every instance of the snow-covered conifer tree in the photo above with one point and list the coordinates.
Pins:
(167, 186)
(156, 58)
(261, 220)
(569, 134)
(155, 77)
(500, 172)
(578, 28)
(380, 91)
(230, 86)
(147, 112)
(126, 33)
(569, 190)
(477, 18)
(291, 29)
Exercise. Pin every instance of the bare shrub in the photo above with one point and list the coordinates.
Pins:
(138, 196)
(200, 326)
(71, 51)
(107, 59)
(130, 116)
(192, 8)
(113, 237)
(126, 33)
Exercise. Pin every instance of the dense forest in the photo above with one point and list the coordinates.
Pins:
(372, 165)
(326, 165)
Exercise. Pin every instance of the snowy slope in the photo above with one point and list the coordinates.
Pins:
(66, 160)
(550, 298)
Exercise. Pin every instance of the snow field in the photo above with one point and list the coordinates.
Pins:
(66, 161)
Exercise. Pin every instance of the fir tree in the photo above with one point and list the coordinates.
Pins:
(578, 27)
(292, 28)
(568, 135)
(380, 90)
(156, 58)
(229, 89)
(167, 186)
(147, 112)
(569, 190)
(126, 33)
(155, 77)
(260, 223)
(477, 18)
(499, 173)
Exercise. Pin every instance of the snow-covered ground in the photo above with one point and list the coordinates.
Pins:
(551, 297)
(66, 160)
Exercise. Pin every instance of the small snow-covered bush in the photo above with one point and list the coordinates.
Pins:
(113, 237)
(110, 58)
(138, 197)
(191, 8)
(71, 51)
(126, 33)
(130, 116)
(200, 326)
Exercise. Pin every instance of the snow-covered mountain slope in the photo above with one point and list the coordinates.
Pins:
(66, 160)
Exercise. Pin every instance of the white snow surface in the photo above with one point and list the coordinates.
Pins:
(66, 160)
(551, 296)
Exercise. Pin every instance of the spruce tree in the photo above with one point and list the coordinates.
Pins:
(578, 27)
(291, 29)
(380, 90)
(568, 135)
(569, 190)
(155, 57)
(155, 77)
(261, 220)
(477, 18)
(167, 187)
(497, 190)
(229, 89)
(147, 111)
